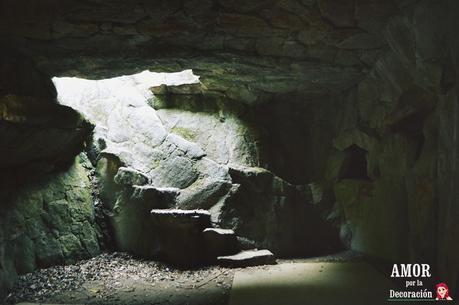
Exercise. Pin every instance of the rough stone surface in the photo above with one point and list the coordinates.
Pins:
(47, 220)
(276, 215)
(397, 118)
(287, 46)
(151, 160)
(130, 176)
(33, 127)
(180, 238)
(176, 217)
(248, 258)
(164, 197)
(134, 133)
(46, 214)
(224, 137)
(220, 242)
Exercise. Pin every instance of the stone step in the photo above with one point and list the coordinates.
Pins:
(248, 258)
(179, 235)
(218, 231)
(179, 218)
(220, 242)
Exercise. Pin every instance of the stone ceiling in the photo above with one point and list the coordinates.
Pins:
(245, 49)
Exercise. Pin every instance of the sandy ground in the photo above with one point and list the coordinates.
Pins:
(312, 283)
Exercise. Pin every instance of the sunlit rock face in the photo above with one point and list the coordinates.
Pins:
(161, 141)
(173, 148)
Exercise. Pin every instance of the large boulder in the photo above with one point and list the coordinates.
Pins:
(276, 215)
(133, 228)
(129, 176)
(220, 242)
(180, 237)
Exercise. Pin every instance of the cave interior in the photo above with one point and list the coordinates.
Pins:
(186, 131)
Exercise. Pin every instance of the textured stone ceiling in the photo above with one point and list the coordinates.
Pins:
(242, 48)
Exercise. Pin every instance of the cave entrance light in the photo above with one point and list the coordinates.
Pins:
(95, 99)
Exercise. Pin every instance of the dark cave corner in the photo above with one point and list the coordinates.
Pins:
(291, 129)
(355, 164)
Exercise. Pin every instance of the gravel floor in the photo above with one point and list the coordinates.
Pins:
(118, 278)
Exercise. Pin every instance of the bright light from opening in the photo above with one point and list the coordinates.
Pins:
(96, 98)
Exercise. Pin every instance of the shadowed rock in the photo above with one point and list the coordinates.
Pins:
(179, 234)
(220, 242)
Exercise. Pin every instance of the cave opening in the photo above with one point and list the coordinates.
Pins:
(355, 164)
(95, 99)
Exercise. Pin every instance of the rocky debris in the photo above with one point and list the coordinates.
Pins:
(248, 258)
(130, 176)
(220, 242)
(102, 276)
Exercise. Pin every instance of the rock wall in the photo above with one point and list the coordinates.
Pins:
(47, 220)
(46, 204)
(297, 29)
(242, 51)
(35, 130)
(277, 215)
(399, 126)
(447, 172)
(294, 135)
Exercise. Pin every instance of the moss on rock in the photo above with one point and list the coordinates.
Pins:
(47, 221)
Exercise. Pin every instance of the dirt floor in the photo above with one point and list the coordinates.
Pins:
(118, 278)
